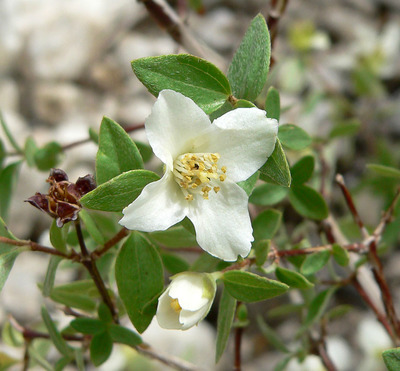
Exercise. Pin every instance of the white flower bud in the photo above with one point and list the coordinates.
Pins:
(186, 301)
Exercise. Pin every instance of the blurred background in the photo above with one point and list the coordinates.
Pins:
(66, 64)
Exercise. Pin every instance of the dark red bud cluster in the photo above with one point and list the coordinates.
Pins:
(62, 201)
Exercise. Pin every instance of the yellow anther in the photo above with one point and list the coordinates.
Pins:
(175, 305)
(216, 189)
(189, 197)
(223, 169)
(222, 177)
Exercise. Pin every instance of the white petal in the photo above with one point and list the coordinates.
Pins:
(173, 123)
(188, 289)
(189, 319)
(244, 138)
(166, 316)
(160, 205)
(222, 223)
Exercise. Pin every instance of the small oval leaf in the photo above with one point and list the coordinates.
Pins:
(293, 137)
(292, 278)
(308, 202)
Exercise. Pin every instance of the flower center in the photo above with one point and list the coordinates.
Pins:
(175, 305)
(198, 173)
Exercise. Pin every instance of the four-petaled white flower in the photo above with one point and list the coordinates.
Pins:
(186, 301)
(203, 162)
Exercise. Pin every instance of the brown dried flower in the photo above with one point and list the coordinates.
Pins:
(62, 201)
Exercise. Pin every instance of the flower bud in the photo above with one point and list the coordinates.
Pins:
(62, 201)
(186, 301)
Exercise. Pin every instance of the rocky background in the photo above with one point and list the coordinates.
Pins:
(65, 64)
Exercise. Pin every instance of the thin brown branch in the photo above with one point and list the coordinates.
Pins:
(168, 20)
(91, 267)
(238, 344)
(37, 247)
(110, 243)
(351, 205)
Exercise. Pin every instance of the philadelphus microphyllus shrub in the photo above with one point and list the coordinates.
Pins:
(203, 163)
(186, 301)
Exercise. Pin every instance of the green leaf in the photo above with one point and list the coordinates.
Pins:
(317, 308)
(386, 171)
(10, 336)
(139, 276)
(292, 278)
(308, 202)
(391, 357)
(117, 152)
(340, 255)
(55, 336)
(94, 136)
(50, 275)
(248, 70)
(276, 169)
(79, 294)
(104, 313)
(194, 77)
(100, 348)
(8, 180)
(8, 254)
(293, 137)
(89, 326)
(268, 194)
(338, 311)
(226, 313)
(315, 262)
(249, 184)
(174, 263)
(58, 236)
(346, 128)
(271, 335)
(62, 363)
(285, 310)
(145, 151)
(6, 361)
(30, 149)
(2, 153)
(302, 170)
(48, 156)
(91, 227)
(123, 335)
(177, 236)
(266, 224)
(273, 103)
(9, 136)
(118, 192)
(261, 249)
(249, 287)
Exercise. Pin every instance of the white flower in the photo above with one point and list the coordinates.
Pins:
(203, 162)
(186, 301)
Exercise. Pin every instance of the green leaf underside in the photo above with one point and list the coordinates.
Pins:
(119, 192)
(117, 152)
(271, 335)
(391, 357)
(8, 180)
(194, 77)
(302, 170)
(8, 254)
(100, 348)
(89, 326)
(386, 171)
(308, 202)
(317, 308)
(226, 313)
(276, 169)
(174, 263)
(292, 278)
(249, 287)
(266, 224)
(177, 236)
(315, 262)
(248, 70)
(50, 275)
(340, 255)
(268, 194)
(139, 276)
(261, 249)
(293, 137)
(48, 156)
(123, 335)
(273, 103)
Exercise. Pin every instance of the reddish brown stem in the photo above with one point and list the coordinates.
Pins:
(91, 267)
(110, 243)
(238, 343)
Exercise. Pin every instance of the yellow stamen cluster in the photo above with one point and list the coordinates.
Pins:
(198, 173)
(175, 305)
